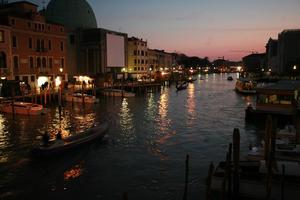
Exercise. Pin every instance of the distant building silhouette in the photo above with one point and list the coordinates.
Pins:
(272, 56)
(254, 63)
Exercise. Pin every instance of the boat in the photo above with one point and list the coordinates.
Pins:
(63, 145)
(229, 78)
(118, 93)
(22, 108)
(182, 86)
(245, 86)
(81, 98)
(280, 99)
(191, 79)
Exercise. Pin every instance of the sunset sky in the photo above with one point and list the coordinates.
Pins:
(213, 28)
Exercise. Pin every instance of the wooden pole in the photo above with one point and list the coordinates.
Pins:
(236, 162)
(229, 172)
(186, 178)
(208, 181)
(298, 130)
(125, 196)
(226, 176)
(268, 132)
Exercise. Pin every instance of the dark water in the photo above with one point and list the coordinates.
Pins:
(143, 153)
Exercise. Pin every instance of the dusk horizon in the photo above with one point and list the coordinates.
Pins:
(246, 26)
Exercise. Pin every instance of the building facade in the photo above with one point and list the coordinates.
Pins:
(272, 56)
(36, 48)
(6, 70)
(160, 60)
(289, 51)
(137, 56)
(254, 63)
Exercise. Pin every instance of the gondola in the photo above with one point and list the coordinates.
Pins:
(63, 145)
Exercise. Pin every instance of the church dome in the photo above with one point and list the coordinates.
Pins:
(73, 14)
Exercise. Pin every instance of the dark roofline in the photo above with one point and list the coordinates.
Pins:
(254, 55)
(19, 2)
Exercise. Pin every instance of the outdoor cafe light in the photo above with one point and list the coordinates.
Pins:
(57, 81)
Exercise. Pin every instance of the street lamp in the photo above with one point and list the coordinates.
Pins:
(295, 67)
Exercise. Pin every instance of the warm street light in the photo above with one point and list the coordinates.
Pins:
(295, 67)
(61, 69)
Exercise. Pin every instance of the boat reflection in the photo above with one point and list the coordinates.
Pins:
(74, 172)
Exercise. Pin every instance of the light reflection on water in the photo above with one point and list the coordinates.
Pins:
(152, 132)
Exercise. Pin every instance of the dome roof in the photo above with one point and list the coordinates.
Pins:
(73, 14)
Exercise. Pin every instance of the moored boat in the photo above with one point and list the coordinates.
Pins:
(182, 86)
(65, 144)
(22, 108)
(118, 93)
(81, 98)
(229, 78)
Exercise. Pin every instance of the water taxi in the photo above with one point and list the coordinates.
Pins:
(62, 145)
(22, 108)
(245, 86)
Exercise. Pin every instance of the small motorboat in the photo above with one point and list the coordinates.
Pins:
(118, 93)
(63, 145)
(229, 78)
(245, 86)
(22, 108)
(81, 98)
(182, 86)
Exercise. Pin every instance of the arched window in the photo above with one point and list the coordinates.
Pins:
(2, 60)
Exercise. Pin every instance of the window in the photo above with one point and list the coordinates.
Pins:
(134, 52)
(142, 52)
(35, 26)
(72, 39)
(43, 27)
(138, 52)
(30, 43)
(49, 45)
(62, 62)
(17, 78)
(2, 60)
(139, 61)
(49, 29)
(38, 44)
(135, 61)
(146, 53)
(135, 68)
(42, 45)
(38, 62)
(50, 62)
(40, 26)
(1, 36)
(139, 68)
(31, 63)
(32, 78)
(44, 62)
(142, 61)
(62, 46)
(16, 62)
(13, 21)
(14, 41)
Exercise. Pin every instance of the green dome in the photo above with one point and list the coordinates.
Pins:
(73, 14)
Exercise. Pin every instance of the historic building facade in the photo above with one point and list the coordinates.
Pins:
(137, 56)
(33, 47)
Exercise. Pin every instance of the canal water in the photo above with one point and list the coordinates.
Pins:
(143, 153)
